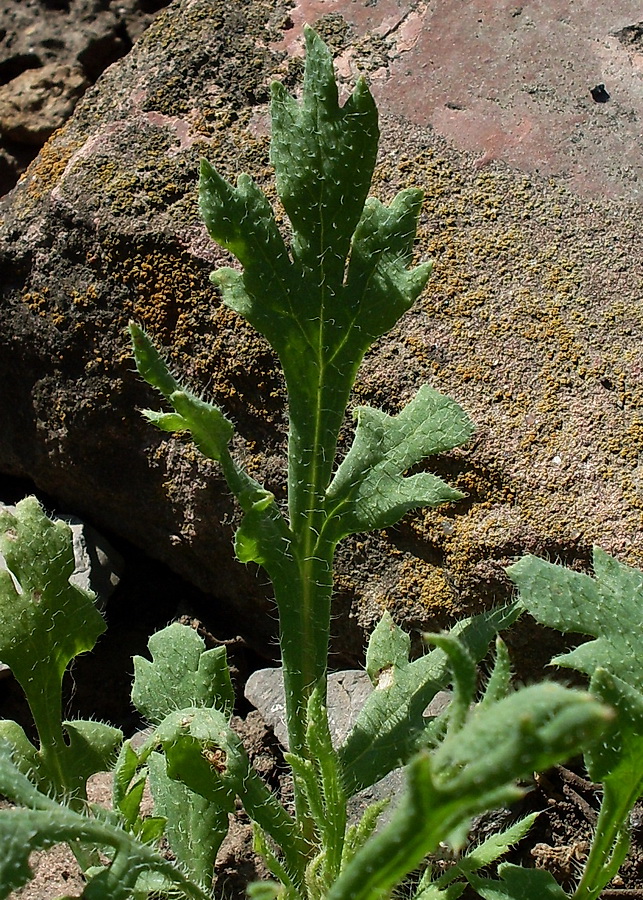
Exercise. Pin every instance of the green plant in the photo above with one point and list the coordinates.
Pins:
(607, 607)
(321, 300)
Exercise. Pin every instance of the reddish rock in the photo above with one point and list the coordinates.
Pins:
(532, 319)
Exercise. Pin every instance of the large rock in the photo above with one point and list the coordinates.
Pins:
(532, 321)
(50, 52)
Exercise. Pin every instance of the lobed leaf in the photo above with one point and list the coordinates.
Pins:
(182, 673)
(46, 621)
(324, 156)
(41, 822)
(345, 278)
(607, 606)
(369, 489)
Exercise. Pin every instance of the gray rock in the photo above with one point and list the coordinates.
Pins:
(347, 693)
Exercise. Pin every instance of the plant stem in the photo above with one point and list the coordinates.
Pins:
(611, 841)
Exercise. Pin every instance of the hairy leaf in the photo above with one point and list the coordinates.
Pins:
(45, 621)
(182, 673)
(210, 429)
(204, 753)
(370, 489)
(473, 770)
(391, 726)
(490, 850)
(41, 822)
(195, 826)
(607, 606)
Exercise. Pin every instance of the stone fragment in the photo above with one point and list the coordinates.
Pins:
(39, 101)
(347, 693)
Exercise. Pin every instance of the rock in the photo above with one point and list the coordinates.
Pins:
(531, 321)
(98, 564)
(347, 694)
(37, 102)
(50, 52)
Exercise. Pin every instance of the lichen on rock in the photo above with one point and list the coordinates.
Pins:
(522, 323)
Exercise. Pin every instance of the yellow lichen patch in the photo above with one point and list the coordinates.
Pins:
(516, 324)
(47, 169)
(425, 584)
(46, 305)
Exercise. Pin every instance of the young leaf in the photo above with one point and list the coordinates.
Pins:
(464, 677)
(128, 785)
(41, 822)
(499, 684)
(369, 489)
(527, 884)
(195, 826)
(210, 429)
(333, 823)
(182, 673)
(529, 724)
(203, 752)
(473, 770)
(391, 726)
(486, 853)
(608, 607)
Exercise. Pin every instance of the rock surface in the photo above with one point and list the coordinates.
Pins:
(50, 52)
(532, 321)
(347, 694)
(37, 102)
